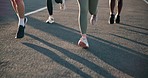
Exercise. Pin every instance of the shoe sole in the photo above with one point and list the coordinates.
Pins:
(49, 22)
(83, 45)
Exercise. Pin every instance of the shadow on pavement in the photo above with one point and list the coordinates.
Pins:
(134, 26)
(69, 54)
(124, 59)
(140, 43)
(135, 31)
(57, 59)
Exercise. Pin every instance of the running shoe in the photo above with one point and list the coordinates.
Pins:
(111, 19)
(83, 43)
(117, 19)
(20, 31)
(63, 6)
(93, 19)
(50, 20)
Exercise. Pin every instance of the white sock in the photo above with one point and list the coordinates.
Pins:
(21, 21)
(83, 35)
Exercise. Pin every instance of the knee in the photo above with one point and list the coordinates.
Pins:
(83, 10)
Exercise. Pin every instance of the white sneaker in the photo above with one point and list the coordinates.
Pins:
(93, 19)
(83, 43)
(50, 19)
(63, 6)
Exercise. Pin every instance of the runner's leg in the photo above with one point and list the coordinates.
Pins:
(93, 11)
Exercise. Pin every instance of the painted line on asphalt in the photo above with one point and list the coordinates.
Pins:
(145, 1)
(35, 11)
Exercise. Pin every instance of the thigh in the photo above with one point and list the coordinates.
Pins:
(83, 4)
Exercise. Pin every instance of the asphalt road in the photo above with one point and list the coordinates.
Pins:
(51, 51)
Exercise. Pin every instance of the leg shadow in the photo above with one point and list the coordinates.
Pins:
(77, 58)
(57, 59)
(124, 59)
(134, 26)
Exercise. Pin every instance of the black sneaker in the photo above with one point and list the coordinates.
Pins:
(20, 32)
(111, 19)
(117, 19)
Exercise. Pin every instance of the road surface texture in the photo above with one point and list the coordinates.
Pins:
(51, 51)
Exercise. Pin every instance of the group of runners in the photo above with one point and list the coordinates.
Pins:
(85, 6)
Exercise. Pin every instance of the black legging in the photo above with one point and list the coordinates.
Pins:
(50, 6)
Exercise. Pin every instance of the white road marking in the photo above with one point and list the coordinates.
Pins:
(145, 1)
(38, 10)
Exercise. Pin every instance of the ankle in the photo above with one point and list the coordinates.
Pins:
(83, 35)
(21, 21)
